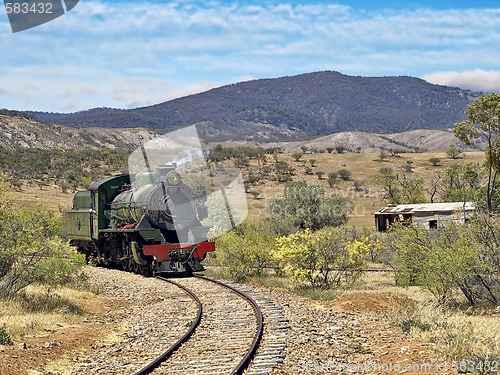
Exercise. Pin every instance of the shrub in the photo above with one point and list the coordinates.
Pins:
(454, 256)
(255, 193)
(332, 178)
(435, 161)
(408, 167)
(246, 251)
(306, 207)
(5, 337)
(453, 152)
(382, 155)
(321, 259)
(344, 174)
(297, 156)
(31, 250)
(319, 174)
(340, 149)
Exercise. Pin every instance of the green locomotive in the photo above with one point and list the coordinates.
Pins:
(147, 223)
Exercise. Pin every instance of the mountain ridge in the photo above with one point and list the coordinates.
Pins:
(292, 108)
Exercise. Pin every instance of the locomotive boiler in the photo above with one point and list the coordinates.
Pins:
(148, 223)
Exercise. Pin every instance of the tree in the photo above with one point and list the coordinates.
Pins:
(357, 185)
(307, 207)
(408, 167)
(332, 178)
(461, 182)
(434, 161)
(382, 155)
(297, 156)
(340, 149)
(344, 174)
(255, 193)
(453, 256)
(484, 119)
(400, 188)
(453, 152)
(319, 174)
(329, 149)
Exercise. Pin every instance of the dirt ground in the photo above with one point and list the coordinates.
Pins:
(30, 355)
(398, 353)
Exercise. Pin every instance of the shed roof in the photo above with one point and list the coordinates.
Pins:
(426, 207)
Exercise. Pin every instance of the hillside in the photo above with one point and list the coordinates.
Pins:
(19, 132)
(292, 108)
(362, 142)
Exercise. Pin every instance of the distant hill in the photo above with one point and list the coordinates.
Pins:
(291, 108)
(20, 132)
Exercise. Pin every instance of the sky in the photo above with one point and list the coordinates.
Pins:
(128, 54)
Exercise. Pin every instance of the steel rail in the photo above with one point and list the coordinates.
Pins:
(168, 353)
(247, 359)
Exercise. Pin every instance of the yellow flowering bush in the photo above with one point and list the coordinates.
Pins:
(323, 258)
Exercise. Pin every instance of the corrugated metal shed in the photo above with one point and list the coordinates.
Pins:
(427, 207)
(428, 214)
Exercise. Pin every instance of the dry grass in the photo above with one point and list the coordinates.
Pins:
(459, 332)
(363, 168)
(50, 198)
(37, 312)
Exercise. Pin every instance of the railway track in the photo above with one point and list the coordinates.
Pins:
(225, 335)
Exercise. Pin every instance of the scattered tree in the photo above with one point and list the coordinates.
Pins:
(307, 207)
(297, 156)
(320, 174)
(435, 161)
(340, 149)
(382, 155)
(344, 174)
(453, 152)
(484, 119)
(332, 178)
(357, 185)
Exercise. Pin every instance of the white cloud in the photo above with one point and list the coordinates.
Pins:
(127, 54)
(477, 79)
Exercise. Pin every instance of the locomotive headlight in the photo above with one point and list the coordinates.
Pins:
(173, 178)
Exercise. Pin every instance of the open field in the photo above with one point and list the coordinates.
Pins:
(363, 167)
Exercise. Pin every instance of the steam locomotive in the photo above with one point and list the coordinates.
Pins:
(148, 223)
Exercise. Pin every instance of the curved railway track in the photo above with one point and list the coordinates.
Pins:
(224, 336)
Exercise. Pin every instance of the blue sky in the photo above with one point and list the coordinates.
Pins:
(126, 54)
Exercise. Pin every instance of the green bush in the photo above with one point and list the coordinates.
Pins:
(31, 250)
(5, 337)
(452, 257)
(246, 251)
(306, 206)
